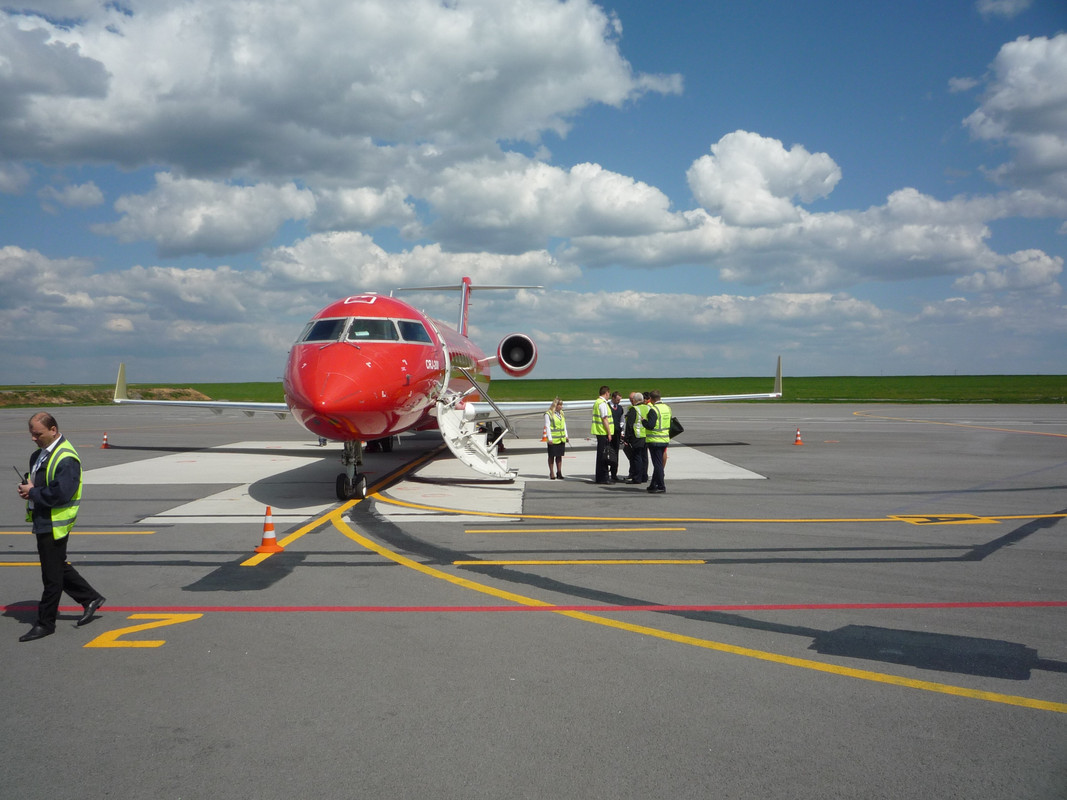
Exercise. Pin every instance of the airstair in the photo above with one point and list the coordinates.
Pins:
(467, 440)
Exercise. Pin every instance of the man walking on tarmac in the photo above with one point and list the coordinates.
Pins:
(52, 490)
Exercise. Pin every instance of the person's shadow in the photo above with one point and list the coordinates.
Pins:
(22, 611)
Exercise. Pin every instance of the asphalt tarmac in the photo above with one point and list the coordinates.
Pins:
(877, 612)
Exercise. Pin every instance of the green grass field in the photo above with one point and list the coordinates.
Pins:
(894, 389)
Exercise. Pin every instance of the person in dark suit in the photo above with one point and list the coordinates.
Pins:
(634, 439)
(615, 442)
(52, 490)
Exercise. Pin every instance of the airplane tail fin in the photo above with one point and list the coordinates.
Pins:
(464, 305)
(120, 385)
(465, 287)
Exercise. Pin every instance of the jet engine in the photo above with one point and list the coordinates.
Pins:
(516, 354)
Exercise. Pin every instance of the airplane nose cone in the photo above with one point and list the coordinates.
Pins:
(333, 391)
(332, 397)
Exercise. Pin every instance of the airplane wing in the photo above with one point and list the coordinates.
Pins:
(280, 410)
(526, 408)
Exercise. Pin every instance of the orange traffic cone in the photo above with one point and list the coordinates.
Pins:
(544, 434)
(798, 440)
(270, 544)
(104, 445)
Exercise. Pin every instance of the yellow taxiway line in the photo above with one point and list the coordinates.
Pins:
(910, 519)
(573, 530)
(868, 415)
(84, 533)
(336, 518)
(72, 533)
(578, 562)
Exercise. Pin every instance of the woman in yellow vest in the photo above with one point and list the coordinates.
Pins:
(556, 436)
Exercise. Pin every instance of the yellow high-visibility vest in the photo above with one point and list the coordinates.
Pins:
(601, 409)
(64, 516)
(557, 427)
(639, 421)
(661, 434)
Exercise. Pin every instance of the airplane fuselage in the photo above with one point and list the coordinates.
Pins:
(370, 366)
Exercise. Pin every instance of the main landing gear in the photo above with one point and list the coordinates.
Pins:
(350, 484)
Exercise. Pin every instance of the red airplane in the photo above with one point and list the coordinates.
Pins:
(369, 367)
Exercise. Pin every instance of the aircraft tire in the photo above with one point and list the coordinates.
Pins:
(347, 489)
(344, 487)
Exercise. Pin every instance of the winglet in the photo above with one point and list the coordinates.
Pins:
(778, 378)
(120, 385)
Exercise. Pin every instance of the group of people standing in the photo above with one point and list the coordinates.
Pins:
(641, 431)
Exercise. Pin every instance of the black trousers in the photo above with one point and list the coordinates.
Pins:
(58, 576)
(656, 454)
(639, 462)
(615, 443)
(601, 461)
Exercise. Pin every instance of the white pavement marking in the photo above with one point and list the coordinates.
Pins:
(286, 480)
(229, 463)
(446, 483)
(295, 478)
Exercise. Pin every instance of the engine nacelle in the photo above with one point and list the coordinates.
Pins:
(516, 354)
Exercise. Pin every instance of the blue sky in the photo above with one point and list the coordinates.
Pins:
(700, 186)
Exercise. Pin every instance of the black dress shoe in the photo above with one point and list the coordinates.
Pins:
(90, 611)
(36, 632)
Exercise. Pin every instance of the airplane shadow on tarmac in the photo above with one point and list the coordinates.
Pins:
(232, 577)
(966, 655)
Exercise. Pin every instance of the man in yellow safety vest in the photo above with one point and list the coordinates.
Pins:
(52, 490)
(657, 437)
(603, 427)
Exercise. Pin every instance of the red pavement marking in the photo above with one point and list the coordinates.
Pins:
(587, 608)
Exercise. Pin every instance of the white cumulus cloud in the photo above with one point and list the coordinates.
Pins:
(752, 180)
(1025, 107)
(84, 195)
(391, 72)
(197, 216)
(1026, 269)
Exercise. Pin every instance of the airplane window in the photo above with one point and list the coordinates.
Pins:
(372, 329)
(414, 331)
(324, 330)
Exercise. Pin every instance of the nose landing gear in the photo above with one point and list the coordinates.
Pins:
(350, 484)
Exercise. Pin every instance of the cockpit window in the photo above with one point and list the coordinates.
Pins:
(324, 330)
(414, 331)
(363, 330)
